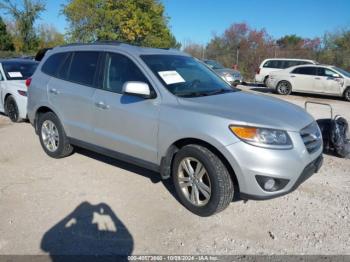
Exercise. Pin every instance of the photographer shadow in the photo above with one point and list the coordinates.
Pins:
(89, 233)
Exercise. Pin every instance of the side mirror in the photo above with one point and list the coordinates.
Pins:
(336, 76)
(137, 89)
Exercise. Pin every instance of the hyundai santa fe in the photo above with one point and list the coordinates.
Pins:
(166, 111)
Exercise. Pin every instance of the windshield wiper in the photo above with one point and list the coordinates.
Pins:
(219, 91)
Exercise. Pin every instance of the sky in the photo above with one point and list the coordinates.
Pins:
(197, 20)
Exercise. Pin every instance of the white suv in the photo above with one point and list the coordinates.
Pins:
(276, 64)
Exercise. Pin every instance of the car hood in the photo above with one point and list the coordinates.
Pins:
(245, 108)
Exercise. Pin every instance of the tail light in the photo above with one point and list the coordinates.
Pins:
(257, 71)
(28, 81)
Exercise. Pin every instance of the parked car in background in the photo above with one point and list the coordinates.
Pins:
(166, 111)
(276, 64)
(13, 91)
(317, 79)
(231, 76)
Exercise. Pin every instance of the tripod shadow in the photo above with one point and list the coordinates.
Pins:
(89, 233)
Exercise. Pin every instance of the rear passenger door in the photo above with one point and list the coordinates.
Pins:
(303, 78)
(123, 123)
(71, 92)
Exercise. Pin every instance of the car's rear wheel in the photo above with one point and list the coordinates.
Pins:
(284, 88)
(202, 182)
(53, 139)
(347, 94)
(265, 81)
(11, 109)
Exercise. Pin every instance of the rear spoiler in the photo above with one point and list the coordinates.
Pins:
(41, 54)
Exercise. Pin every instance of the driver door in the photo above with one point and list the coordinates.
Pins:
(123, 123)
(328, 81)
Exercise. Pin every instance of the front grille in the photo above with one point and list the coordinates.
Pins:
(312, 137)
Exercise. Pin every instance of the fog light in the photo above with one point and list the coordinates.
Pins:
(269, 184)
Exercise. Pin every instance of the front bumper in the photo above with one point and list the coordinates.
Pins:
(309, 170)
(294, 165)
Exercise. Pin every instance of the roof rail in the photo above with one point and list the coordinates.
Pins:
(98, 42)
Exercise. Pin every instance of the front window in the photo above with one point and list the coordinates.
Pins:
(342, 71)
(185, 77)
(19, 70)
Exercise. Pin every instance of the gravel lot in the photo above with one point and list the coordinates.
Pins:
(52, 206)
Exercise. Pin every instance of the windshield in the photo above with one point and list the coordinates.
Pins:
(213, 64)
(184, 76)
(342, 71)
(15, 70)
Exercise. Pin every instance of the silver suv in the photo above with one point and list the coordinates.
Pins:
(164, 110)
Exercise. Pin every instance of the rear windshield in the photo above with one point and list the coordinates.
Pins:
(15, 70)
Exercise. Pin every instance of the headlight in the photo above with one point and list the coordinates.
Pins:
(263, 137)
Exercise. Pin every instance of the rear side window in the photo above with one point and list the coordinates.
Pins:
(305, 71)
(83, 67)
(120, 69)
(15, 70)
(53, 63)
(273, 64)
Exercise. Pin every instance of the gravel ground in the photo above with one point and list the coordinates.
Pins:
(50, 206)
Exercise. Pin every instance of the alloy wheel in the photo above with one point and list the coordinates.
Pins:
(49, 135)
(194, 181)
(284, 88)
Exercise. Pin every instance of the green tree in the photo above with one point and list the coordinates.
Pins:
(290, 41)
(6, 43)
(140, 22)
(49, 36)
(25, 17)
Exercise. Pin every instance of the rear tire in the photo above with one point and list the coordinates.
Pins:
(284, 88)
(204, 193)
(265, 81)
(11, 109)
(52, 137)
(347, 94)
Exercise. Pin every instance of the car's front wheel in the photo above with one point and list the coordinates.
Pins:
(202, 182)
(284, 88)
(53, 139)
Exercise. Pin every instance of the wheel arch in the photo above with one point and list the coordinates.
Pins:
(38, 112)
(167, 160)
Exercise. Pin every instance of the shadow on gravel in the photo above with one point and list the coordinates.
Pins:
(154, 177)
(89, 233)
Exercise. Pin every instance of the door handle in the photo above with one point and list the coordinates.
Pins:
(292, 76)
(317, 78)
(101, 105)
(54, 91)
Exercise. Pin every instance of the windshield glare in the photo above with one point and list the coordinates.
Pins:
(19, 70)
(342, 71)
(184, 76)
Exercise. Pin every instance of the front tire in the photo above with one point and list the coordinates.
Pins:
(53, 139)
(347, 94)
(202, 182)
(11, 109)
(284, 88)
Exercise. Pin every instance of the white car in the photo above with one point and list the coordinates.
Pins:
(275, 64)
(14, 74)
(317, 79)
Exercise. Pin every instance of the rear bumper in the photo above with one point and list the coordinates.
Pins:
(309, 170)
